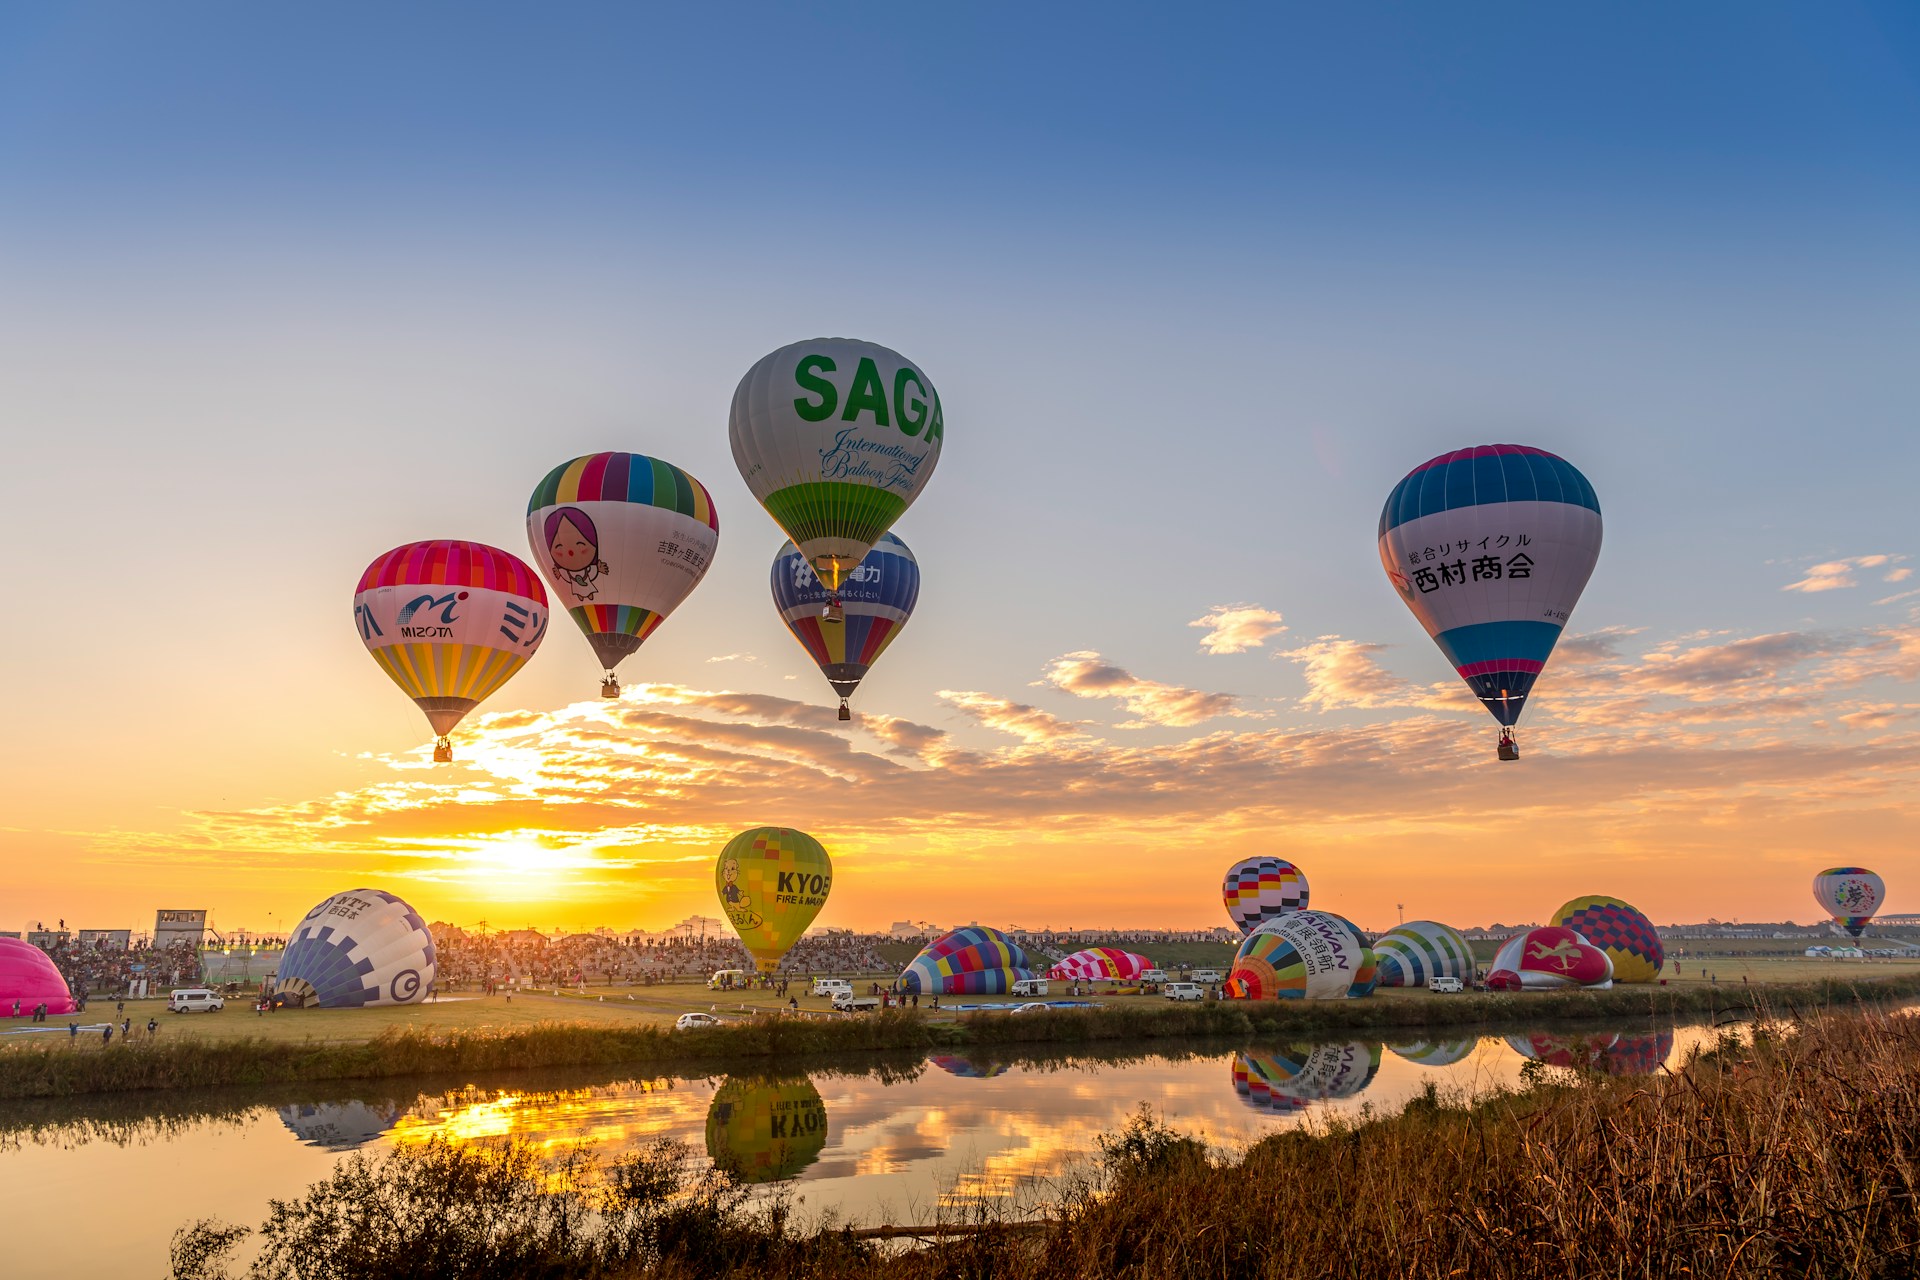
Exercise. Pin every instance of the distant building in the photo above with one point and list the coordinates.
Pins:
(176, 925)
(105, 939)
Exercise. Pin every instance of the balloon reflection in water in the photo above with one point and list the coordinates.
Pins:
(1635, 1054)
(766, 1130)
(955, 1065)
(339, 1126)
(1290, 1078)
(1436, 1053)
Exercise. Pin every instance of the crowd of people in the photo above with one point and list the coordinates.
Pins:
(95, 968)
(476, 961)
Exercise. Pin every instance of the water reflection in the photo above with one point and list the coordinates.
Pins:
(954, 1064)
(1292, 1079)
(340, 1126)
(766, 1130)
(1632, 1054)
(1436, 1053)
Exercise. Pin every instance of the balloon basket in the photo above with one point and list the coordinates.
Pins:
(443, 752)
(833, 612)
(609, 688)
(845, 712)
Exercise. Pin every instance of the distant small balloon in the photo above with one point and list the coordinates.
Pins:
(1851, 895)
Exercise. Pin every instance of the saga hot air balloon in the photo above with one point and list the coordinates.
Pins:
(1617, 928)
(623, 538)
(1260, 889)
(772, 883)
(877, 598)
(358, 949)
(1101, 964)
(1419, 950)
(836, 438)
(1490, 547)
(766, 1130)
(449, 622)
(30, 978)
(973, 961)
(1546, 958)
(1309, 955)
(1851, 895)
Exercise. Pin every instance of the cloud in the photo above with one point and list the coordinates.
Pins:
(1030, 724)
(1085, 674)
(1834, 575)
(1236, 628)
(735, 657)
(1342, 674)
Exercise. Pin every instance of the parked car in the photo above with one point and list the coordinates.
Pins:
(694, 1021)
(1031, 1006)
(830, 987)
(1445, 984)
(728, 978)
(850, 1003)
(1185, 991)
(1205, 976)
(1029, 987)
(1153, 975)
(194, 1000)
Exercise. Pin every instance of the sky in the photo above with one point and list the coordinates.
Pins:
(282, 289)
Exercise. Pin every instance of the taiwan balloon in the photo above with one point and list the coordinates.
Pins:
(358, 949)
(1490, 547)
(1851, 895)
(28, 979)
(1412, 953)
(1261, 889)
(766, 1130)
(1617, 928)
(449, 622)
(877, 598)
(1310, 955)
(772, 882)
(974, 961)
(623, 539)
(1101, 964)
(836, 438)
(1548, 958)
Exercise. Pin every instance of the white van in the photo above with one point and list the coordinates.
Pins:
(831, 987)
(1185, 991)
(1204, 975)
(1153, 975)
(1445, 984)
(1029, 987)
(728, 978)
(194, 1000)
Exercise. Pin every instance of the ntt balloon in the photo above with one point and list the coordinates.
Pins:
(623, 539)
(1261, 889)
(876, 600)
(449, 622)
(1617, 928)
(1851, 895)
(358, 949)
(1490, 547)
(836, 438)
(772, 882)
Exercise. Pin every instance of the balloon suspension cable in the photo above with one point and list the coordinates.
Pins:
(610, 687)
(834, 612)
(443, 752)
(845, 713)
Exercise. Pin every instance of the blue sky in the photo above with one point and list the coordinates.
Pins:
(279, 290)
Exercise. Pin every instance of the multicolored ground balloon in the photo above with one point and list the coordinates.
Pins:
(30, 978)
(1546, 959)
(1490, 547)
(1619, 929)
(1412, 953)
(358, 949)
(623, 539)
(876, 601)
(1260, 889)
(766, 1130)
(1851, 895)
(1310, 955)
(836, 437)
(974, 961)
(772, 882)
(449, 622)
(1101, 964)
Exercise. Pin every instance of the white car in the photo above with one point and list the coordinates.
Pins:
(695, 1021)
(1185, 991)
(1153, 975)
(1029, 987)
(830, 987)
(1445, 984)
(1031, 1006)
(194, 1000)
(1204, 975)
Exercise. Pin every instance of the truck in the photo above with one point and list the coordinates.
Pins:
(850, 1003)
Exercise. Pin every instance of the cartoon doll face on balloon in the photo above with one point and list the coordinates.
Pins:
(574, 544)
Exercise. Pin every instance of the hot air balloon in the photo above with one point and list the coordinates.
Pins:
(772, 883)
(877, 599)
(1577, 1052)
(1414, 952)
(449, 622)
(1547, 958)
(955, 1065)
(1436, 1053)
(835, 437)
(623, 538)
(766, 1130)
(1260, 889)
(339, 1126)
(1851, 895)
(1309, 955)
(357, 949)
(1101, 964)
(29, 978)
(1290, 1079)
(1490, 547)
(1627, 936)
(974, 961)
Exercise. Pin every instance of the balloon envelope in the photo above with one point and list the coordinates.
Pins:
(29, 976)
(1419, 950)
(449, 622)
(836, 437)
(766, 1130)
(1100, 964)
(1490, 547)
(1851, 895)
(877, 599)
(973, 961)
(772, 882)
(1312, 955)
(356, 949)
(623, 539)
(1617, 928)
(1259, 889)
(1547, 958)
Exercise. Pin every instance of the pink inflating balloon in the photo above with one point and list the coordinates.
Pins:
(28, 976)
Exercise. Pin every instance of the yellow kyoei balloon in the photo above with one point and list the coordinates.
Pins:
(772, 882)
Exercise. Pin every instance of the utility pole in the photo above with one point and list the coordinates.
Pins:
(1401, 907)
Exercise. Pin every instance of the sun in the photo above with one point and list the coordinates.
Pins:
(526, 858)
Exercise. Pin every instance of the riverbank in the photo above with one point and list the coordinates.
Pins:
(182, 1060)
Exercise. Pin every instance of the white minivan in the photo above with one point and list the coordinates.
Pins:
(831, 987)
(1153, 975)
(1448, 985)
(194, 1000)
(1204, 975)
(1029, 987)
(1185, 991)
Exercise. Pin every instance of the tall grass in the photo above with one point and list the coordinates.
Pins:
(1794, 1154)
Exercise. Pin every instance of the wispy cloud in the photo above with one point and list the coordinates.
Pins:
(1343, 674)
(735, 657)
(1030, 724)
(1086, 674)
(1236, 628)
(1836, 575)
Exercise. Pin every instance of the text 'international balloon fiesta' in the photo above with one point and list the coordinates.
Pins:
(836, 438)
(358, 949)
(1419, 950)
(449, 622)
(772, 882)
(766, 1130)
(1547, 958)
(1617, 928)
(1312, 955)
(974, 961)
(1490, 547)
(1100, 964)
(1260, 889)
(1851, 895)
(28, 979)
(623, 539)
(876, 600)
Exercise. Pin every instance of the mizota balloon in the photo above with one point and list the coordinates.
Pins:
(877, 599)
(623, 539)
(772, 882)
(836, 437)
(449, 622)
(1851, 895)
(1490, 547)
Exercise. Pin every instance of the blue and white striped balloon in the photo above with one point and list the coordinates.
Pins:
(360, 948)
